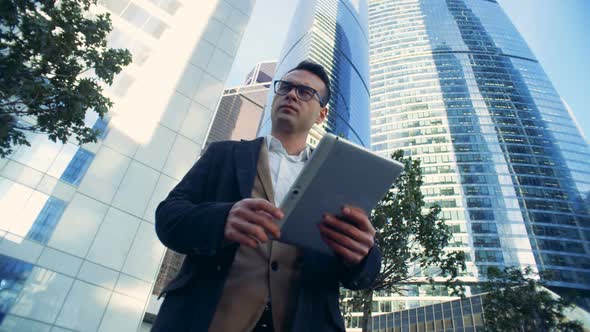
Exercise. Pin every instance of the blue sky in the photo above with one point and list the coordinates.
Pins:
(557, 31)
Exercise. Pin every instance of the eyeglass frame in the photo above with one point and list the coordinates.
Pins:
(296, 87)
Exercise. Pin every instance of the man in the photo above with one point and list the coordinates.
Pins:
(234, 278)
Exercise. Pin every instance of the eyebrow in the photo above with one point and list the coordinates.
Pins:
(305, 84)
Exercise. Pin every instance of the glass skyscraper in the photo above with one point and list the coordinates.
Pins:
(459, 315)
(237, 117)
(240, 108)
(334, 34)
(454, 84)
(78, 249)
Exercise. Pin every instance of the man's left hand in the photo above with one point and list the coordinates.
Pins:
(351, 239)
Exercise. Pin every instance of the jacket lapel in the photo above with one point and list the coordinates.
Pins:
(264, 173)
(246, 158)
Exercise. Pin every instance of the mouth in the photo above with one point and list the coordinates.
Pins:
(288, 108)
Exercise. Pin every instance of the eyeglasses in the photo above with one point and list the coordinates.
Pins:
(303, 92)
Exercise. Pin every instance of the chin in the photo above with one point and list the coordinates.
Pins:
(285, 117)
(284, 125)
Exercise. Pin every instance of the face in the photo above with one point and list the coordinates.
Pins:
(291, 115)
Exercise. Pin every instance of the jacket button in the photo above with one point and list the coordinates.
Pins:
(274, 265)
(218, 267)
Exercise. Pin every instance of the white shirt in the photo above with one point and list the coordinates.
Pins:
(284, 168)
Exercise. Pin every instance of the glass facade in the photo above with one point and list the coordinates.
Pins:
(240, 110)
(78, 249)
(262, 73)
(334, 34)
(454, 84)
(457, 315)
(461, 315)
(239, 113)
(237, 117)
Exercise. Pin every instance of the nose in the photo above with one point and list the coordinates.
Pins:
(292, 94)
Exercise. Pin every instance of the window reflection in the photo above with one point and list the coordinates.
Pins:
(120, 39)
(13, 275)
(77, 167)
(142, 19)
(101, 126)
(447, 316)
(46, 220)
(170, 6)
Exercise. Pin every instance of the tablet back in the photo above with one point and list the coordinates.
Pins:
(338, 173)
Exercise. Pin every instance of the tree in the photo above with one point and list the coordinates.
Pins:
(516, 302)
(412, 240)
(53, 60)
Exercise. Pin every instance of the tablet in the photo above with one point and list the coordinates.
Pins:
(338, 173)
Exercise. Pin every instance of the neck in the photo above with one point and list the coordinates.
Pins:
(293, 143)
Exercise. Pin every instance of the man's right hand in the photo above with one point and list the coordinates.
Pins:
(250, 220)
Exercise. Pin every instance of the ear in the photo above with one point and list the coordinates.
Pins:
(322, 116)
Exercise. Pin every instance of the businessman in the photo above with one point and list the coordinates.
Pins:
(221, 216)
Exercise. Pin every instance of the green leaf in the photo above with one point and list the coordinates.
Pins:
(46, 46)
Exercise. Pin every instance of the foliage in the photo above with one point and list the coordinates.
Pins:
(412, 239)
(53, 60)
(516, 302)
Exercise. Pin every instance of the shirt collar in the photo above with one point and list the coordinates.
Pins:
(274, 145)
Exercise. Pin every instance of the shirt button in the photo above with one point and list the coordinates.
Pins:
(274, 265)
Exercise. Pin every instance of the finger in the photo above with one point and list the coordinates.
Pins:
(240, 238)
(270, 225)
(268, 215)
(251, 230)
(264, 205)
(344, 240)
(262, 219)
(358, 216)
(356, 209)
(348, 229)
(254, 216)
(343, 252)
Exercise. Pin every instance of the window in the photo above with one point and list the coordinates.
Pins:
(121, 84)
(101, 126)
(45, 223)
(485, 228)
(481, 215)
(116, 6)
(77, 167)
(385, 306)
(143, 20)
(135, 15)
(155, 27)
(13, 275)
(170, 6)
(489, 256)
(486, 242)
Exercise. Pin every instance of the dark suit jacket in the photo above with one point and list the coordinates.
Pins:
(191, 221)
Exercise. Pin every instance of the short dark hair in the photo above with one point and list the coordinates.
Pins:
(320, 72)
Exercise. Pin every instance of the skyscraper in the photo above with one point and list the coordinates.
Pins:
(334, 34)
(78, 250)
(263, 72)
(240, 109)
(237, 117)
(454, 84)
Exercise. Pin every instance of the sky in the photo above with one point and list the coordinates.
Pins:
(263, 38)
(557, 31)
